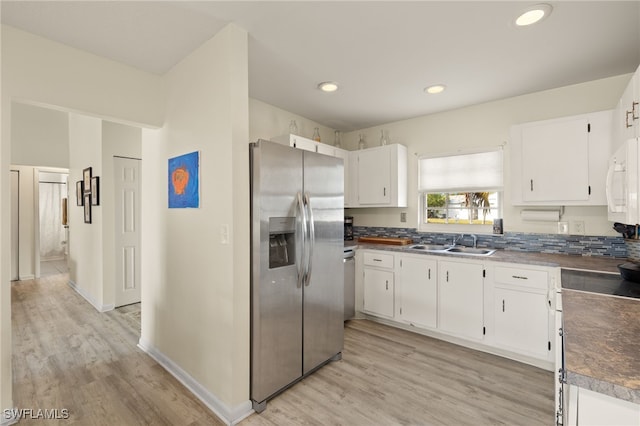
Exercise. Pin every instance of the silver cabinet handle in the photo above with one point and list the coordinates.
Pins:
(531, 184)
(502, 305)
(447, 276)
(626, 119)
(303, 217)
(384, 191)
(518, 277)
(387, 284)
(429, 274)
(634, 110)
(377, 260)
(312, 237)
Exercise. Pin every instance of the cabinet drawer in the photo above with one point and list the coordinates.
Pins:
(381, 260)
(522, 277)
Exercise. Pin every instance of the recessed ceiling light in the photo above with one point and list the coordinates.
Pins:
(436, 88)
(533, 14)
(328, 86)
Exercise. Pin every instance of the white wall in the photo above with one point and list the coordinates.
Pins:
(85, 239)
(39, 136)
(487, 125)
(45, 73)
(123, 141)
(267, 121)
(195, 288)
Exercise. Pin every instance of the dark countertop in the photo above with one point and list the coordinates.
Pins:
(602, 343)
(590, 263)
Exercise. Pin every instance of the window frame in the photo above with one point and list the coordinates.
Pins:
(456, 227)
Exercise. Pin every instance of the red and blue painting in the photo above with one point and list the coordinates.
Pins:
(184, 185)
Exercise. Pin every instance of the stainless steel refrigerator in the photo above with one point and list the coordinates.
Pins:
(297, 280)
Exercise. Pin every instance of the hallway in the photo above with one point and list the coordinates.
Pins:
(66, 355)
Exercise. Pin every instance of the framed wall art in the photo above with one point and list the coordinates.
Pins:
(86, 179)
(87, 207)
(184, 181)
(95, 191)
(79, 193)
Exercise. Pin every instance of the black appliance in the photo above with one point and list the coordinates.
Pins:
(348, 228)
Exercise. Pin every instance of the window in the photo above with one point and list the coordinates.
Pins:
(460, 192)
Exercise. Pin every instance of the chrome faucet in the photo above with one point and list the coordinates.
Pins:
(475, 240)
(456, 239)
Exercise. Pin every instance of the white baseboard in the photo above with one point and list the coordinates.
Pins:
(26, 277)
(9, 417)
(88, 298)
(230, 415)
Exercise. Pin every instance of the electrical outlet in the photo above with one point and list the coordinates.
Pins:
(577, 227)
(563, 228)
(403, 216)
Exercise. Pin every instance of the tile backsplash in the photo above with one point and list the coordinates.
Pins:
(541, 243)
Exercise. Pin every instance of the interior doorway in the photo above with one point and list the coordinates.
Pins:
(52, 250)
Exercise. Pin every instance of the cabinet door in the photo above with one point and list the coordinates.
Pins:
(304, 143)
(374, 176)
(460, 298)
(418, 291)
(341, 153)
(552, 153)
(378, 292)
(522, 321)
(596, 409)
(325, 149)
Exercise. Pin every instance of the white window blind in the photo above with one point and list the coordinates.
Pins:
(461, 172)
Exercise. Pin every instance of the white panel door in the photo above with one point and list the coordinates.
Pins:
(127, 230)
(15, 211)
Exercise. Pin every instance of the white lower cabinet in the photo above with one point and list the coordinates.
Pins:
(522, 310)
(503, 306)
(460, 298)
(378, 279)
(417, 290)
(589, 408)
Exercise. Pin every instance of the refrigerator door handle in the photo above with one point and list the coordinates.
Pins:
(302, 214)
(312, 237)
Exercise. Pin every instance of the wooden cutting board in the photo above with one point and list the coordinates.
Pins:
(386, 240)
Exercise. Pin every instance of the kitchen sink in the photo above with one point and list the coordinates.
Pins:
(470, 250)
(462, 250)
(429, 247)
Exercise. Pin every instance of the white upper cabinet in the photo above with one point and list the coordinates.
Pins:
(561, 161)
(626, 116)
(380, 176)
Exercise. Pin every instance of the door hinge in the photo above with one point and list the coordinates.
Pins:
(484, 273)
(484, 330)
(549, 345)
(589, 128)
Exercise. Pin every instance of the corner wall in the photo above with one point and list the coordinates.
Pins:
(195, 318)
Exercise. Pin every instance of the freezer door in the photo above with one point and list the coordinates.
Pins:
(324, 290)
(276, 291)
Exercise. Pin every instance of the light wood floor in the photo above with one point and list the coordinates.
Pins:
(67, 355)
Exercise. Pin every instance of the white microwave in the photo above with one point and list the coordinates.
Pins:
(623, 183)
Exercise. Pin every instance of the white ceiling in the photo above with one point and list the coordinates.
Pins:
(383, 54)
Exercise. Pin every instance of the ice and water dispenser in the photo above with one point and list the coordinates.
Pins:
(282, 246)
